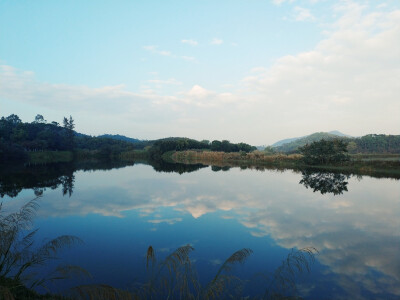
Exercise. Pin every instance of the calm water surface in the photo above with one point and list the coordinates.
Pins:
(353, 222)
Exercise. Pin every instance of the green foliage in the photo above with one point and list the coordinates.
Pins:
(377, 143)
(17, 137)
(162, 146)
(370, 143)
(226, 146)
(325, 152)
(69, 132)
(325, 182)
(269, 150)
(11, 152)
(293, 146)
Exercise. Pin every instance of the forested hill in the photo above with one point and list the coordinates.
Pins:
(120, 138)
(292, 145)
(289, 140)
(371, 143)
(17, 138)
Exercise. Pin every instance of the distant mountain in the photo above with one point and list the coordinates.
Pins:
(338, 133)
(120, 138)
(285, 141)
(295, 143)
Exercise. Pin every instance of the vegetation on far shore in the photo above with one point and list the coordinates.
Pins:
(41, 142)
(357, 164)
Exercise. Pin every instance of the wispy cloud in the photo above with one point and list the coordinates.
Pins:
(188, 58)
(168, 221)
(171, 81)
(303, 14)
(190, 42)
(216, 41)
(279, 2)
(155, 50)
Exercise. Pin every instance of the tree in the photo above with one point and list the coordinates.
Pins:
(39, 119)
(13, 119)
(69, 128)
(325, 152)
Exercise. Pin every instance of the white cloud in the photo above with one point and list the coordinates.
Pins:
(168, 221)
(22, 86)
(279, 2)
(198, 92)
(216, 41)
(188, 58)
(155, 50)
(171, 81)
(303, 14)
(349, 79)
(190, 42)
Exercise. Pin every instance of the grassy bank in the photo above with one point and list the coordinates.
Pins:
(44, 157)
(133, 155)
(376, 165)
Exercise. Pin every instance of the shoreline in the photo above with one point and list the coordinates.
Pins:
(374, 165)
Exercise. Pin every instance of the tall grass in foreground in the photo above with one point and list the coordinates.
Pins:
(19, 256)
(175, 278)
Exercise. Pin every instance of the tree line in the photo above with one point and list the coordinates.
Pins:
(161, 146)
(370, 143)
(17, 138)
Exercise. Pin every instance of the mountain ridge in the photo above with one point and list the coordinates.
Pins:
(289, 140)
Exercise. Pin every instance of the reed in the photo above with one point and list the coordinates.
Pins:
(19, 256)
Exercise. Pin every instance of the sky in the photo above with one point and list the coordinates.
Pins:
(253, 71)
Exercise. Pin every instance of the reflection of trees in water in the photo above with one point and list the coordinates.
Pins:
(15, 178)
(217, 168)
(325, 182)
(163, 166)
(37, 177)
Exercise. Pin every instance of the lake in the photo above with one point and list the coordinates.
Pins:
(119, 211)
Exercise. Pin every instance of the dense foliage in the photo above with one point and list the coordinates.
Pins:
(162, 146)
(293, 146)
(371, 143)
(18, 138)
(325, 152)
(376, 143)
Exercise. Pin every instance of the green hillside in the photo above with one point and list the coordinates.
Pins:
(292, 146)
(370, 143)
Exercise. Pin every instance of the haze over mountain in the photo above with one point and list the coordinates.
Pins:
(292, 144)
(120, 138)
(289, 140)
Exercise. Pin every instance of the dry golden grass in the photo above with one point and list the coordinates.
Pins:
(240, 157)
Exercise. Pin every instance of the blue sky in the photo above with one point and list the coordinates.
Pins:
(255, 71)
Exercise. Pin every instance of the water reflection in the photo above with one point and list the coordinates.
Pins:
(13, 179)
(325, 182)
(356, 232)
(38, 178)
